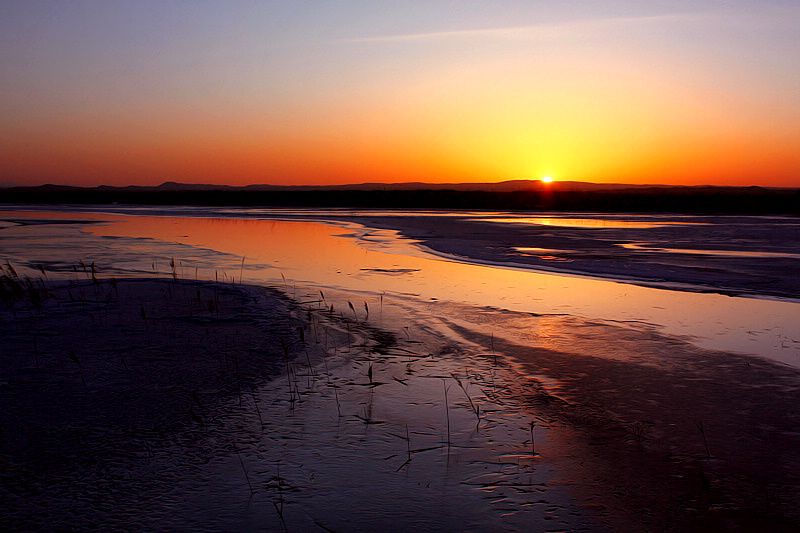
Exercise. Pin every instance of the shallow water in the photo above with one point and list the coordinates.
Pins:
(349, 256)
(731, 253)
(617, 376)
(595, 222)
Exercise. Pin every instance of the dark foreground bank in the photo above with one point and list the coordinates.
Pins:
(185, 405)
(104, 383)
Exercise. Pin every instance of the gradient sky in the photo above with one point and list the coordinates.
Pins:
(294, 92)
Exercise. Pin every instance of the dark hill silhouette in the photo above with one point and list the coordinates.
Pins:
(515, 195)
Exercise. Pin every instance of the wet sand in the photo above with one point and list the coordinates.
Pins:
(677, 436)
(168, 403)
(100, 378)
(175, 404)
(194, 405)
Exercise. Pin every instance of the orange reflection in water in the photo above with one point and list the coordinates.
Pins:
(301, 251)
(378, 261)
(584, 222)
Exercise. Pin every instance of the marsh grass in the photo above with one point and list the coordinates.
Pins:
(244, 468)
(446, 409)
(702, 431)
(407, 438)
(302, 335)
(366, 353)
(294, 392)
(17, 289)
(281, 500)
(475, 408)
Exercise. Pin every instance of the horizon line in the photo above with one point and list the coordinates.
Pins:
(540, 181)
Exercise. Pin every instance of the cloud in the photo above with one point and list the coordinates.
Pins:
(533, 31)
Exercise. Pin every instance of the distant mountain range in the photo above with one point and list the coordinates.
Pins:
(516, 194)
(500, 186)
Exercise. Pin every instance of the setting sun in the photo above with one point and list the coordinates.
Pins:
(358, 192)
(346, 93)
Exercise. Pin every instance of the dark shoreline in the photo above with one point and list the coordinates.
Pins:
(528, 196)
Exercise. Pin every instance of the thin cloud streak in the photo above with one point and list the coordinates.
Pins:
(521, 32)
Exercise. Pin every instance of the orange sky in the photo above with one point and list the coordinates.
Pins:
(309, 93)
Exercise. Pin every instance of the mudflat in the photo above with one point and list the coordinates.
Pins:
(412, 392)
(187, 404)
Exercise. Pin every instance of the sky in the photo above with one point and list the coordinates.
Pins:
(297, 92)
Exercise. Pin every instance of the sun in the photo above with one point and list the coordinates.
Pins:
(547, 179)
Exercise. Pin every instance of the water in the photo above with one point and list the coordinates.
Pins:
(346, 253)
(616, 356)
